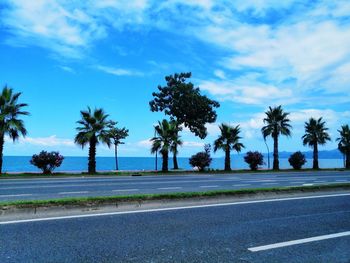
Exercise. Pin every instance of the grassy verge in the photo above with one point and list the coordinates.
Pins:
(88, 201)
(172, 172)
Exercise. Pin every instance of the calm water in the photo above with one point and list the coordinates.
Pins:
(76, 164)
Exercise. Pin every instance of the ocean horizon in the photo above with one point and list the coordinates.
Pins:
(79, 164)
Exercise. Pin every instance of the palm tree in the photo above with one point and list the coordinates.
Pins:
(175, 142)
(344, 143)
(117, 135)
(93, 129)
(10, 124)
(163, 140)
(228, 140)
(315, 134)
(277, 123)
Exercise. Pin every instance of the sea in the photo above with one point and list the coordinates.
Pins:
(79, 164)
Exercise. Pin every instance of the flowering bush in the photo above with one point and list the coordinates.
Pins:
(297, 160)
(47, 161)
(201, 159)
(254, 159)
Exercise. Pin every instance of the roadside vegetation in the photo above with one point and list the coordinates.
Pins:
(185, 107)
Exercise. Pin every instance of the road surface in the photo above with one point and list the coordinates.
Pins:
(312, 229)
(38, 189)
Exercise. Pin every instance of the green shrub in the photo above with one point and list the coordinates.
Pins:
(201, 159)
(47, 161)
(254, 159)
(297, 160)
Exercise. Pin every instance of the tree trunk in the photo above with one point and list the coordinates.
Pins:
(165, 161)
(116, 156)
(176, 166)
(347, 161)
(315, 156)
(227, 159)
(2, 141)
(276, 165)
(92, 156)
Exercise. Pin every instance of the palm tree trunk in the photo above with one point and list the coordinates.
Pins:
(176, 166)
(315, 156)
(2, 142)
(116, 156)
(276, 165)
(227, 159)
(347, 161)
(165, 161)
(92, 156)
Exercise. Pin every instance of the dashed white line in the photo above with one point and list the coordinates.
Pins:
(308, 184)
(299, 241)
(208, 186)
(169, 188)
(67, 193)
(15, 195)
(125, 190)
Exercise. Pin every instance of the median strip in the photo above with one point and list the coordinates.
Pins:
(89, 201)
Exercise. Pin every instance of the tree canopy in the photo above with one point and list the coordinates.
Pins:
(184, 103)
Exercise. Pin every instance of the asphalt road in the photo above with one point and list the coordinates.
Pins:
(34, 189)
(288, 230)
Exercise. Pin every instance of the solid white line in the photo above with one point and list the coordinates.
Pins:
(298, 241)
(66, 193)
(308, 184)
(169, 188)
(15, 195)
(172, 208)
(208, 186)
(125, 190)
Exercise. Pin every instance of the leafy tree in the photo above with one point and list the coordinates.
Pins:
(117, 135)
(163, 140)
(254, 159)
(315, 134)
(93, 129)
(47, 161)
(277, 123)
(185, 104)
(201, 159)
(228, 140)
(10, 123)
(297, 160)
(344, 144)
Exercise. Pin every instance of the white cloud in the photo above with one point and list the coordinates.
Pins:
(119, 71)
(47, 141)
(67, 69)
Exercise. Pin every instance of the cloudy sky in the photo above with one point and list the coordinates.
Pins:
(65, 55)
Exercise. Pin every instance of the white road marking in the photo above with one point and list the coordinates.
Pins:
(341, 180)
(308, 184)
(269, 183)
(125, 190)
(67, 193)
(240, 184)
(169, 188)
(15, 195)
(172, 208)
(208, 186)
(298, 241)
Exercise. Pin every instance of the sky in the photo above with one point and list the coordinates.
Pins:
(248, 55)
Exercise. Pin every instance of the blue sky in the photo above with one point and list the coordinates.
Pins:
(65, 55)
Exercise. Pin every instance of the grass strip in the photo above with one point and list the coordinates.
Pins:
(89, 201)
(159, 173)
